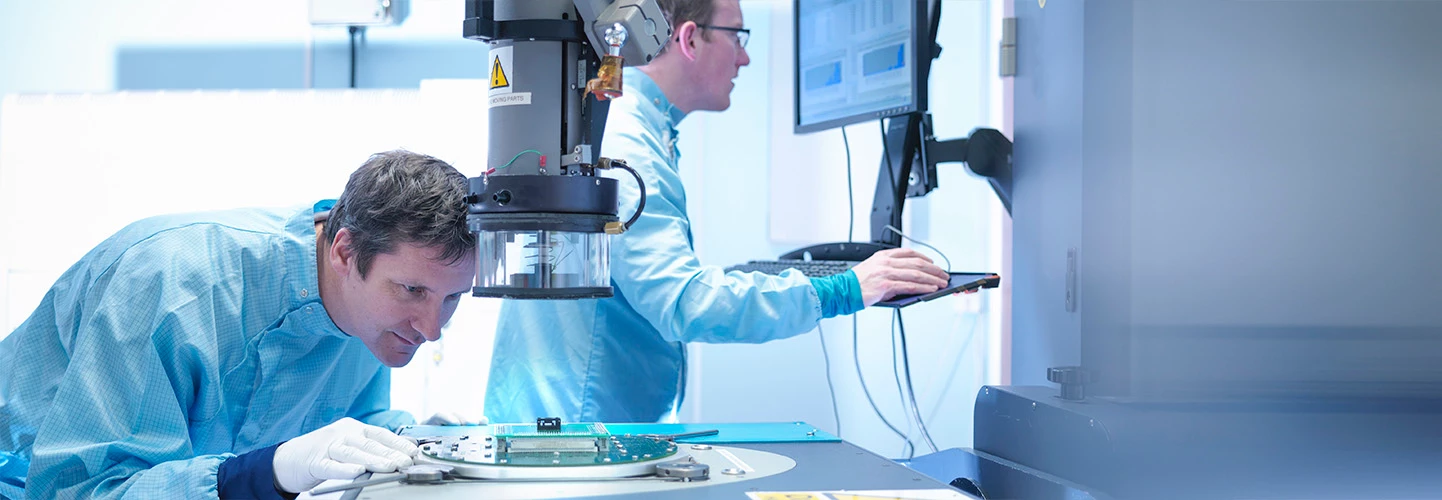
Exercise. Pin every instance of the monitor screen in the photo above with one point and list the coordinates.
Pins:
(858, 60)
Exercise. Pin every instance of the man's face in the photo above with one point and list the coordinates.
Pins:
(719, 59)
(403, 301)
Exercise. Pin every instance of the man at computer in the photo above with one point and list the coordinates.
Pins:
(622, 359)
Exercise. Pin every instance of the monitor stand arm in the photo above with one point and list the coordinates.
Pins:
(986, 152)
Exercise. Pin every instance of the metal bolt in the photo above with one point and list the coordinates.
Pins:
(1033, 406)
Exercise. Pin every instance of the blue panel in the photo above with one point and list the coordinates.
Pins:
(379, 65)
(767, 432)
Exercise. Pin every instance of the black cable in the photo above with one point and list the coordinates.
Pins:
(900, 393)
(911, 389)
(641, 206)
(353, 31)
(826, 356)
(850, 197)
(856, 358)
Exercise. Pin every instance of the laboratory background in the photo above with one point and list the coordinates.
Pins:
(1219, 241)
(161, 107)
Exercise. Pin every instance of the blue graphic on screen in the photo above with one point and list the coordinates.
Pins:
(854, 61)
(883, 60)
(823, 76)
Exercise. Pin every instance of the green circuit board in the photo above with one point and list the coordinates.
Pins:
(523, 445)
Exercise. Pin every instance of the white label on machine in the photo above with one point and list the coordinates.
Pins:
(511, 99)
(502, 71)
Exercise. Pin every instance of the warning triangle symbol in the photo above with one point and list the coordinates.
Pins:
(498, 75)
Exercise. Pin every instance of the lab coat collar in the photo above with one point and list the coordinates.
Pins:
(647, 91)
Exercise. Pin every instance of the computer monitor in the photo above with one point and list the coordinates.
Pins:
(861, 60)
(858, 60)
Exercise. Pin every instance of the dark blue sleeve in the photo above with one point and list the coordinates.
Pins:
(251, 475)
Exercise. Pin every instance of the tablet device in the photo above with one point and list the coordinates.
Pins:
(960, 282)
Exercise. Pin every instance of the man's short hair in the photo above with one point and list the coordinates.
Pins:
(677, 12)
(403, 197)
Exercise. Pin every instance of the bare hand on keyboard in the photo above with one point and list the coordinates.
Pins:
(899, 271)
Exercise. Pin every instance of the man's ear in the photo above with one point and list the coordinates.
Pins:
(340, 255)
(686, 39)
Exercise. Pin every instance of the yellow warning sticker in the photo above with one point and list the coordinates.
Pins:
(498, 75)
(789, 495)
(503, 75)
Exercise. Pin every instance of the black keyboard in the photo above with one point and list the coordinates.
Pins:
(810, 268)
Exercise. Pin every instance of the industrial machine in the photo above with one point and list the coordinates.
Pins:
(1207, 304)
(541, 214)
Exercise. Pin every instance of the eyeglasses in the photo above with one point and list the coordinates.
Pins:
(742, 34)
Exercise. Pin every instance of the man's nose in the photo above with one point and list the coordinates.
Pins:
(429, 324)
(745, 58)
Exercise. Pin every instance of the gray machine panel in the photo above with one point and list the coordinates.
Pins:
(1247, 185)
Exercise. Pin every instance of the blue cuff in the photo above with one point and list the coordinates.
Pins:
(250, 475)
(840, 294)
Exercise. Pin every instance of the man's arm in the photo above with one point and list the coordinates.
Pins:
(656, 268)
(118, 426)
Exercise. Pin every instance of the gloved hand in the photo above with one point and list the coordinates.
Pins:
(341, 450)
(452, 418)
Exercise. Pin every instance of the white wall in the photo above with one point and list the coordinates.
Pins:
(76, 168)
(70, 45)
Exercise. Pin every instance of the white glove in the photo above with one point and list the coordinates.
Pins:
(341, 450)
(452, 418)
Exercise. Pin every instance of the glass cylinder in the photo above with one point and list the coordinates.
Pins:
(528, 264)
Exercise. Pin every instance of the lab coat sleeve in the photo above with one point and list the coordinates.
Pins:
(656, 269)
(118, 426)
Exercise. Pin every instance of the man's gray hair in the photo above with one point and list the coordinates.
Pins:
(403, 197)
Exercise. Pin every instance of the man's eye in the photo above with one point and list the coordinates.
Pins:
(412, 289)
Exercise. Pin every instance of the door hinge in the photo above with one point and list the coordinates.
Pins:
(1008, 47)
